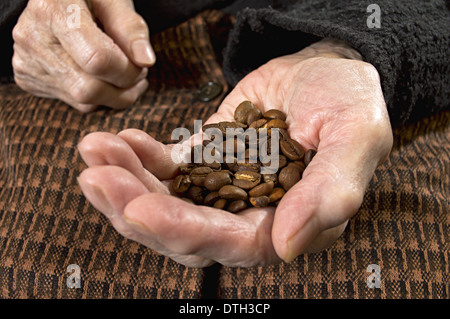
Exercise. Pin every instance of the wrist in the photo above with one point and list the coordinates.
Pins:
(331, 48)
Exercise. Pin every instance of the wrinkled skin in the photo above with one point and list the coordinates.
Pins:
(84, 66)
(333, 104)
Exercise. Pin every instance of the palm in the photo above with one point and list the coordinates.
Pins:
(332, 105)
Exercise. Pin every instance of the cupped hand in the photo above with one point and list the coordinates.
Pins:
(86, 53)
(334, 104)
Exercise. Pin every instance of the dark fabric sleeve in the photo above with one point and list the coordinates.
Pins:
(410, 50)
(10, 9)
(9, 13)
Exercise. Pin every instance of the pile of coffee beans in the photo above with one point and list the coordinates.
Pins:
(239, 184)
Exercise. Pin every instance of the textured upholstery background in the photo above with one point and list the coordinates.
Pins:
(46, 224)
(402, 226)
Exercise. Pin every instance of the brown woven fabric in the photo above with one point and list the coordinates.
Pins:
(403, 226)
(46, 224)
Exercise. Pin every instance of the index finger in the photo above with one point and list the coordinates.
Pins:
(241, 239)
(93, 50)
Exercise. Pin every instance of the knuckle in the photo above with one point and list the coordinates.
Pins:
(18, 33)
(18, 64)
(84, 108)
(40, 9)
(351, 197)
(383, 141)
(126, 102)
(370, 70)
(37, 5)
(82, 91)
(134, 22)
(131, 98)
(97, 62)
(24, 84)
(20, 83)
(140, 23)
(378, 130)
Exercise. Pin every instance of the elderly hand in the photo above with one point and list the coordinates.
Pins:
(334, 104)
(83, 65)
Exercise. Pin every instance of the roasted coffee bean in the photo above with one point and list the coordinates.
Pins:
(181, 183)
(309, 156)
(224, 184)
(254, 167)
(252, 143)
(236, 206)
(220, 203)
(283, 134)
(211, 125)
(211, 198)
(197, 153)
(282, 162)
(242, 111)
(270, 178)
(186, 168)
(218, 129)
(261, 189)
(230, 165)
(300, 164)
(258, 123)
(215, 166)
(234, 125)
(216, 149)
(264, 145)
(199, 174)
(253, 115)
(289, 176)
(276, 123)
(238, 145)
(196, 194)
(206, 142)
(292, 149)
(276, 194)
(215, 180)
(246, 179)
(251, 153)
(232, 192)
(274, 114)
(260, 201)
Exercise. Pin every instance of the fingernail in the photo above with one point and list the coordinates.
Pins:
(143, 52)
(97, 197)
(291, 254)
(298, 242)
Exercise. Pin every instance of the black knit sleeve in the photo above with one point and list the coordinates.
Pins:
(409, 47)
(10, 11)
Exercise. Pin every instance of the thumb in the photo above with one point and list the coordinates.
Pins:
(314, 212)
(127, 28)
